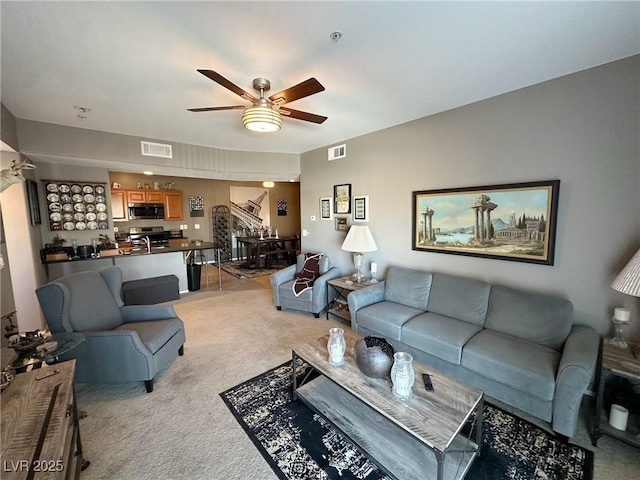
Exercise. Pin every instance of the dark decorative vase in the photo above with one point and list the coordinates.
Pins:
(374, 356)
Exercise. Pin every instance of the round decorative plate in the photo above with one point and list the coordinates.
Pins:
(79, 207)
(90, 216)
(69, 226)
(89, 198)
(55, 207)
(65, 198)
(64, 188)
(53, 197)
(67, 217)
(101, 207)
(55, 226)
(102, 216)
(91, 207)
(78, 217)
(55, 216)
(99, 190)
(75, 188)
(103, 225)
(81, 226)
(92, 225)
(100, 198)
(52, 187)
(87, 189)
(67, 207)
(77, 198)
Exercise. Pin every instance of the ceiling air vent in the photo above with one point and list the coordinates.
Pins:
(337, 152)
(151, 149)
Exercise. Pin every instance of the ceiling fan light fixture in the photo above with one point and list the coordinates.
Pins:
(261, 119)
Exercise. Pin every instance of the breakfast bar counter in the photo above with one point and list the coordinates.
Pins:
(137, 265)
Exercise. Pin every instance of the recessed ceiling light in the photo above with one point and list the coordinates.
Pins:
(147, 172)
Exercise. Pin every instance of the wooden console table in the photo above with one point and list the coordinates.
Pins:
(40, 433)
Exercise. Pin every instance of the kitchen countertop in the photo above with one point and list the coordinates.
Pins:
(185, 247)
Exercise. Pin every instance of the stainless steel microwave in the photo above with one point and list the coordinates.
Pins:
(146, 211)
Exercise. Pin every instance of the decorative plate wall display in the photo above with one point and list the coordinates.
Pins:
(74, 199)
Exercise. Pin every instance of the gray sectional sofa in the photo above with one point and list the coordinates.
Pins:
(518, 347)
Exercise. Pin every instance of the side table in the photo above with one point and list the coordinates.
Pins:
(338, 307)
(616, 362)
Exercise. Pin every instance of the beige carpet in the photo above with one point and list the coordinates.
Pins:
(183, 430)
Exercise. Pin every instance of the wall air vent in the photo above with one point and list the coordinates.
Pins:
(151, 149)
(337, 152)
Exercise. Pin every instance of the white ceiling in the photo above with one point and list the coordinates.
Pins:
(134, 63)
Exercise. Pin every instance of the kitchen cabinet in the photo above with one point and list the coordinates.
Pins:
(119, 204)
(144, 196)
(172, 205)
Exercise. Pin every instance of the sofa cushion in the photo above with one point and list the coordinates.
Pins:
(285, 290)
(543, 319)
(462, 298)
(522, 365)
(386, 318)
(408, 287)
(154, 333)
(437, 335)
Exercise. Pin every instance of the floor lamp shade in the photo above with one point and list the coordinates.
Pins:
(628, 280)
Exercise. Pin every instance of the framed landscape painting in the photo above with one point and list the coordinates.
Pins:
(507, 222)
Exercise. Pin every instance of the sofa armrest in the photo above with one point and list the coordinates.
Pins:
(142, 313)
(320, 289)
(278, 278)
(575, 372)
(364, 297)
(112, 356)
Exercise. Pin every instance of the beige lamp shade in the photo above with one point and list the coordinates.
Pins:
(359, 239)
(628, 280)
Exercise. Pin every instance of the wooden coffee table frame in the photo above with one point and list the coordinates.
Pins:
(408, 439)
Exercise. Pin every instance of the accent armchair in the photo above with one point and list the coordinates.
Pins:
(122, 343)
(314, 299)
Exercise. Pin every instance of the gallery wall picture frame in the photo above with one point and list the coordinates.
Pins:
(515, 222)
(361, 208)
(342, 199)
(326, 208)
(342, 224)
(34, 205)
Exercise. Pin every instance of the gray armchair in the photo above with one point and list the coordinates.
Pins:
(313, 300)
(122, 343)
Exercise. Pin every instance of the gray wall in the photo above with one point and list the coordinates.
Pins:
(582, 129)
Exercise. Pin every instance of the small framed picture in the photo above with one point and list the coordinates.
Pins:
(342, 199)
(361, 208)
(326, 208)
(342, 224)
(34, 205)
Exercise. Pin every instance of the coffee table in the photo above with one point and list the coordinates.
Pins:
(408, 439)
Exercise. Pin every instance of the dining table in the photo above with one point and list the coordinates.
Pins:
(254, 249)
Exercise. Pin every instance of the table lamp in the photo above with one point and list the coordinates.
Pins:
(628, 282)
(359, 240)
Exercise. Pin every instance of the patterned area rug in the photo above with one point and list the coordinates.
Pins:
(237, 270)
(299, 444)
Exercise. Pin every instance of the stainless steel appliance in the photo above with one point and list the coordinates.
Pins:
(156, 235)
(146, 211)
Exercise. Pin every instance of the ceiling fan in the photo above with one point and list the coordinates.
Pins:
(265, 114)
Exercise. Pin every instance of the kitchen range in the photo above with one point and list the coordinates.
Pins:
(145, 238)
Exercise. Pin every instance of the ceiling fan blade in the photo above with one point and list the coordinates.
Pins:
(304, 89)
(216, 77)
(211, 109)
(297, 114)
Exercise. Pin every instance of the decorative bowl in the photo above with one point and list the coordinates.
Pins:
(374, 356)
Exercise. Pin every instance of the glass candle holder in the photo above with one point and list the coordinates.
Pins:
(402, 375)
(336, 346)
